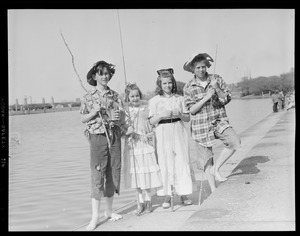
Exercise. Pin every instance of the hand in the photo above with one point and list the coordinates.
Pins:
(210, 92)
(214, 83)
(130, 130)
(179, 115)
(176, 114)
(166, 114)
(96, 108)
(115, 115)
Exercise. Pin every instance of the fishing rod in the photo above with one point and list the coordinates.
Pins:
(215, 60)
(129, 117)
(80, 81)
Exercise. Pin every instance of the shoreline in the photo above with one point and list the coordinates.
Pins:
(16, 113)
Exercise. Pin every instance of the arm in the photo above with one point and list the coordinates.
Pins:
(183, 114)
(222, 90)
(184, 117)
(197, 106)
(87, 117)
(152, 117)
(157, 118)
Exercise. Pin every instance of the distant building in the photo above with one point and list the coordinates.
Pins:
(59, 106)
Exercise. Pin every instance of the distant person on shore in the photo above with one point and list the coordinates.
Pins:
(105, 162)
(167, 114)
(275, 99)
(280, 94)
(281, 100)
(205, 97)
(141, 170)
(291, 101)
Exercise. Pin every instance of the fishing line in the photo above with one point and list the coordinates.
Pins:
(129, 117)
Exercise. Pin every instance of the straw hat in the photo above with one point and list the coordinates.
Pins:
(94, 70)
(208, 58)
(169, 70)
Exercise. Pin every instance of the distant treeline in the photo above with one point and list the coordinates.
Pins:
(262, 84)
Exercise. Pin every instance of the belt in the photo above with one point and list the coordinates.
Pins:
(169, 121)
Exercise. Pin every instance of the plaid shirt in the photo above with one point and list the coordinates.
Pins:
(106, 101)
(211, 116)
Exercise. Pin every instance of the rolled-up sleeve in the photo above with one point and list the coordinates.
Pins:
(223, 86)
(188, 102)
(151, 107)
(83, 107)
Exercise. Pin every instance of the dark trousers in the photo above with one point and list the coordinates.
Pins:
(275, 107)
(105, 164)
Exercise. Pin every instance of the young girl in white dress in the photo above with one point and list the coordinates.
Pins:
(141, 170)
(167, 113)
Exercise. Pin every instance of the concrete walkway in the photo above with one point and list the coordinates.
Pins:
(258, 195)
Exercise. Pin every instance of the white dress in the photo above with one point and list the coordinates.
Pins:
(172, 147)
(140, 162)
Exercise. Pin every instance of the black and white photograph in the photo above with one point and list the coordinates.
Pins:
(151, 119)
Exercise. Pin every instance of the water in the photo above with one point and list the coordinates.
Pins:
(49, 176)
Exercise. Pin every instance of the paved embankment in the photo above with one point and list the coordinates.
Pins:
(258, 195)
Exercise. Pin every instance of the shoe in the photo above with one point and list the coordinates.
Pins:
(141, 209)
(185, 200)
(148, 207)
(167, 202)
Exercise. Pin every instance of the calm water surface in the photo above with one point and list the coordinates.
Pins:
(49, 176)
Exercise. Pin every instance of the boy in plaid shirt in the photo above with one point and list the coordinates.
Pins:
(205, 96)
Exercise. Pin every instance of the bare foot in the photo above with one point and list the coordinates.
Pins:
(93, 224)
(112, 216)
(219, 177)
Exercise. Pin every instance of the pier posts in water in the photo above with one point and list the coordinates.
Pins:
(52, 103)
(17, 104)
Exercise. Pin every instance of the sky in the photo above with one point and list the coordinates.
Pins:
(259, 42)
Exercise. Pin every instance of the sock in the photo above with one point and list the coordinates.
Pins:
(141, 198)
(147, 196)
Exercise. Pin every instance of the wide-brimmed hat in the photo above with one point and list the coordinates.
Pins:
(94, 69)
(208, 58)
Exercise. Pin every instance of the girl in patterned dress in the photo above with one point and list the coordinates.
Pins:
(141, 170)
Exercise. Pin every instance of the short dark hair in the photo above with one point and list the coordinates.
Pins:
(199, 58)
(165, 74)
(130, 87)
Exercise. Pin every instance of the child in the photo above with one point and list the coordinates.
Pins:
(205, 97)
(167, 114)
(104, 134)
(141, 170)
